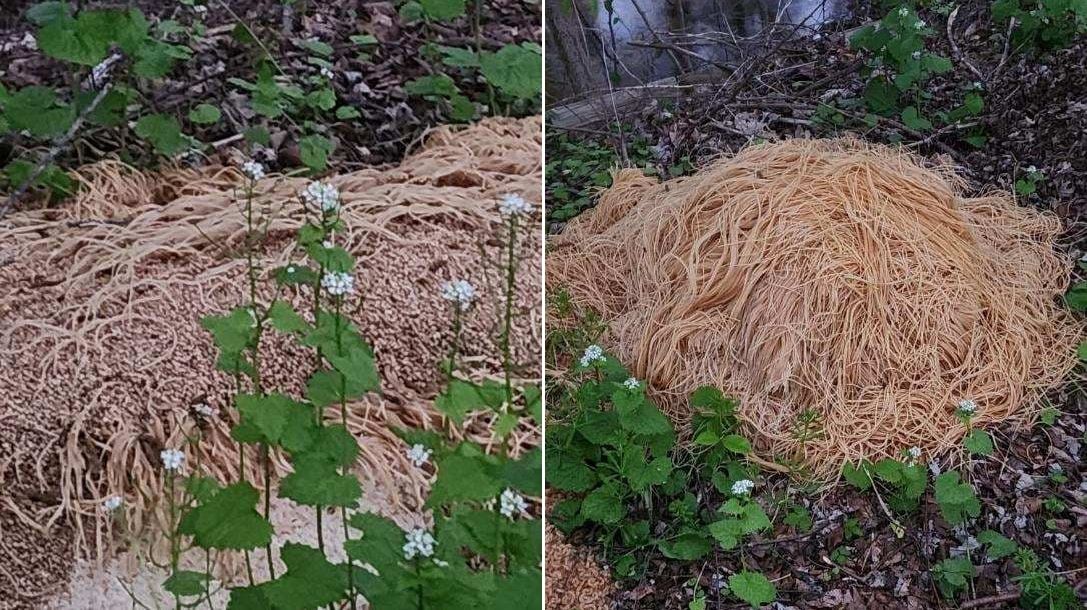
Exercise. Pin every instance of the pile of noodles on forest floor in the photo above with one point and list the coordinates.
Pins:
(104, 357)
(849, 281)
(575, 578)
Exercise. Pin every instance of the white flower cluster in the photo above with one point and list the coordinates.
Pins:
(327, 73)
(419, 543)
(593, 353)
(172, 459)
(419, 455)
(327, 244)
(742, 487)
(253, 170)
(337, 283)
(919, 25)
(967, 407)
(112, 503)
(204, 410)
(913, 453)
(511, 504)
(200, 9)
(461, 292)
(513, 205)
(322, 196)
(632, 384)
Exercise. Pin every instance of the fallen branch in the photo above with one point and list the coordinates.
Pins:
(991, 600)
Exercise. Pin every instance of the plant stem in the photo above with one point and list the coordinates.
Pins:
(175, 552)
(419, 589)
(265, 452)
(507, 322)
(344, 470)
(451, 367)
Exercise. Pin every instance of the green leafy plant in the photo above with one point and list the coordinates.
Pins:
(615, 450)
(1040, 588)
(903, 483)
(997, 545)
(512, 74)
(899, 66)
(484, 548)
(578, 168)
(955, 498)
(90, 44)
(752, 587)
(1027, 183)
(1043, 25)
(952, 576)
(741, 516)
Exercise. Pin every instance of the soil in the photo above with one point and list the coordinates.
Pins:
(1035, 114)
(391, 121)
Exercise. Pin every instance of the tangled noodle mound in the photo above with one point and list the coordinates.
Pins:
(104, 357)
(831, 278)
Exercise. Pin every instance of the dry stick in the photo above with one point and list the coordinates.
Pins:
(52, 153)
(955, 52)
(992, 600)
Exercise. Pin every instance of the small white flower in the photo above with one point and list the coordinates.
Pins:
(440, 563)
(461, 292)
(419, 455)
(172, 459)
(916, 55)
(327, 244)
(1031, 170)
(512, 504)
(253, 170)
(967, 407)
(322, 196)
(419, 542)
(632, 384)
(112, 503)
(920, 25)
(513, 205)
(199, 9)
(742, 487)
(327, 73)
(913, 453)
(593, 353)
(902, 12)
(204, 410)
(977, 85)
(338, 284)
(290, 269)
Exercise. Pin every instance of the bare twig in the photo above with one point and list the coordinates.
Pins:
(955, 52)
(1007, 48)
(992, 600)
